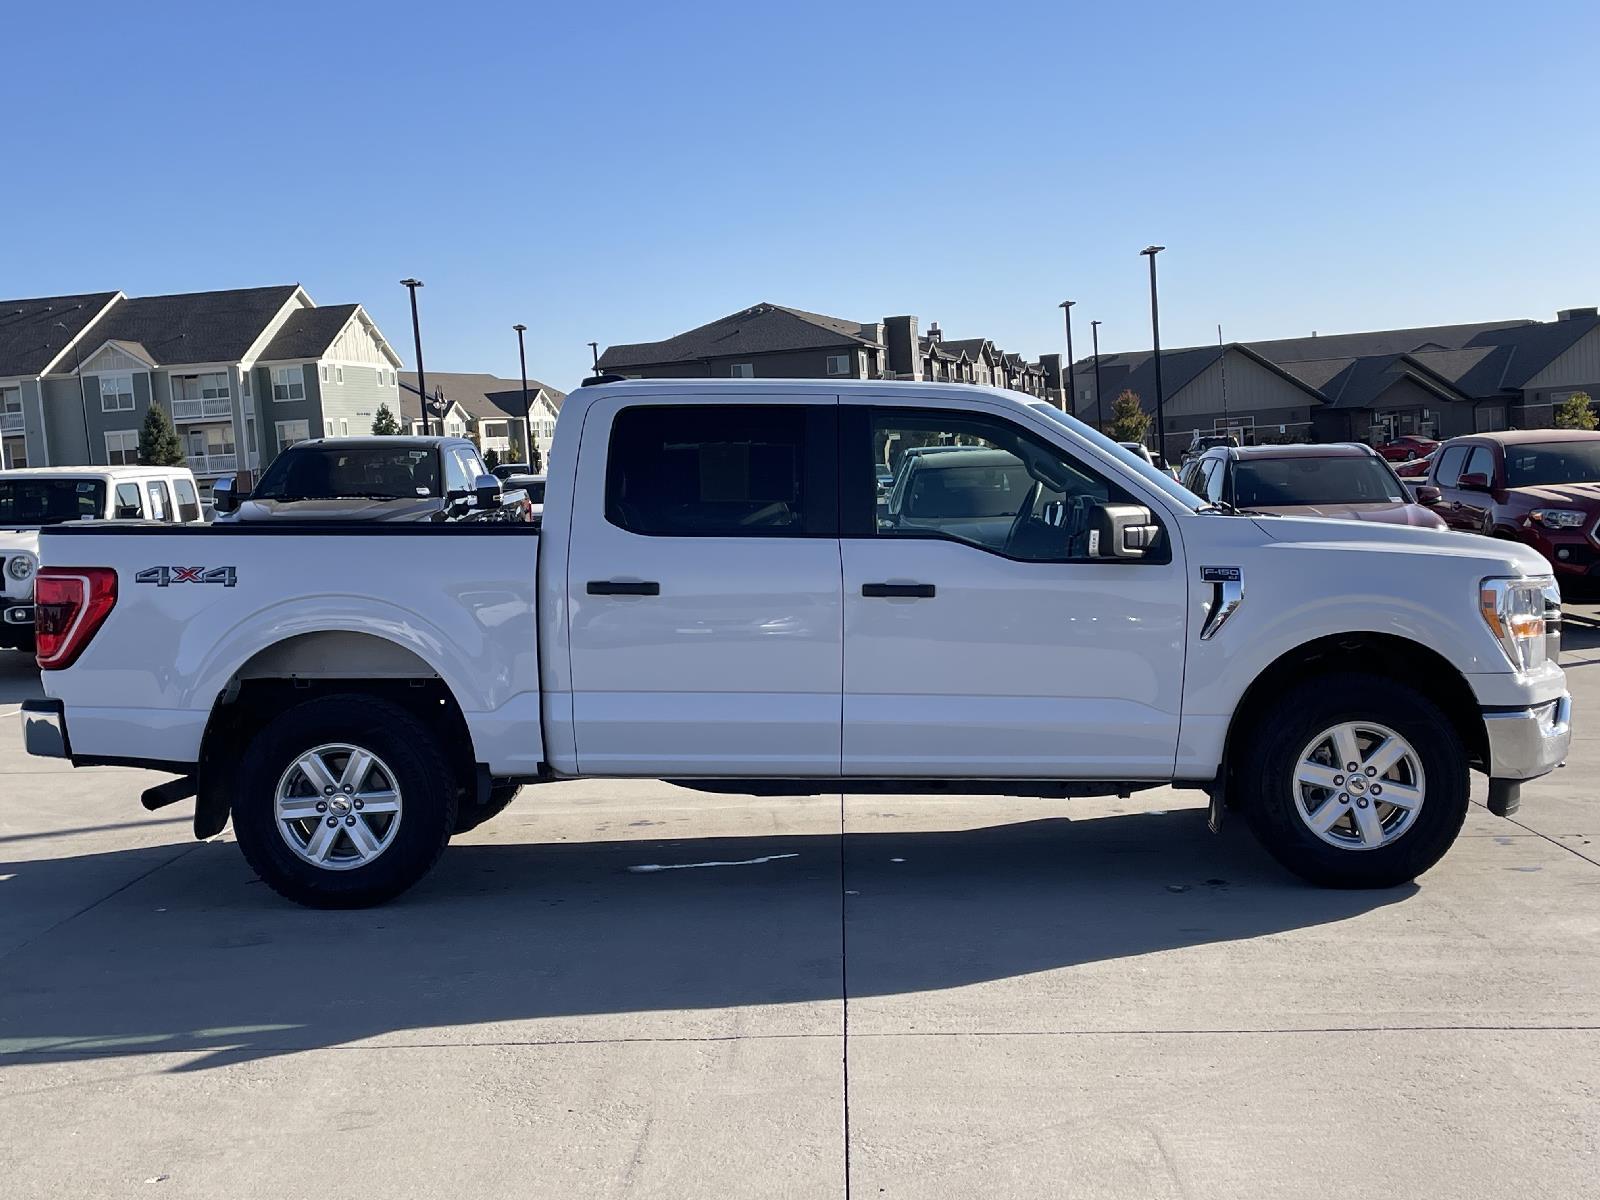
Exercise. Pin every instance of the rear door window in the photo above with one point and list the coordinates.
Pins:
(160, 501)
(129, 503)
(1481, 463)
(722, 470)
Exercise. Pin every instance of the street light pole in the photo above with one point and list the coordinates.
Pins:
(527, 419)
(594, 353)
(1150, 252)
(1067, 404)
(411, 285)
(1099, 400)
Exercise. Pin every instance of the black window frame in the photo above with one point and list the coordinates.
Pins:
(858, 490)
(819, 469)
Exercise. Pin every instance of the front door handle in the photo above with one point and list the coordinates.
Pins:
(912, 591)
(619, 587)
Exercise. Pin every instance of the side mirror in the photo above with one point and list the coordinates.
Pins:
(1475, 482)
(486, 490)
(225, 496)
(1427, 494)
(1121, 531)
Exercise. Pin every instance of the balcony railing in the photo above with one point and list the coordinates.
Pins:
(213, 464)
(202, 410)
(11, 422)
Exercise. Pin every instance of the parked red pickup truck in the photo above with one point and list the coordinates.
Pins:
(1536, 486)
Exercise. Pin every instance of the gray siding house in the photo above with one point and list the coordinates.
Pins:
(773, 341)
(485, 408)
(241, 373)
(1439, 381)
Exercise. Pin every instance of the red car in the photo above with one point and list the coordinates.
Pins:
(1536, 486)
(1416, 468)
(1407, 447)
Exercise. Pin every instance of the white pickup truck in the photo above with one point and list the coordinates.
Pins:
(724, 594)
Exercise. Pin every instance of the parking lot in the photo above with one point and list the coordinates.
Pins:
(633, 989)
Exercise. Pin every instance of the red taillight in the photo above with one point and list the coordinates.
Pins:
(69, 606)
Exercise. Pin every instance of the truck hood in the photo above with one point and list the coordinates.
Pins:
(1383, 511)
(349, 509)
(1569, 495)
(1497, 556)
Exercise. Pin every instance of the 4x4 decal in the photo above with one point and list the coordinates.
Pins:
(164, 576)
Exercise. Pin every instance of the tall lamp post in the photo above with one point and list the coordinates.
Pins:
(1150, 252)
(411, 285)
(1067, 404)
(527, 419)
(594, 355)
(1099, 400)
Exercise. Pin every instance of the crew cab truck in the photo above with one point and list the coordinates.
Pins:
(719, 597)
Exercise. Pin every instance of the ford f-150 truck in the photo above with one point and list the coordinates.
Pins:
(719, 596)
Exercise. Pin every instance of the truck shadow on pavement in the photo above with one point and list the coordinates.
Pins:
(200, 959)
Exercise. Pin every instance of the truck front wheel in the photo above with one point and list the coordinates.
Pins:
(1354, 780)
(344, 801)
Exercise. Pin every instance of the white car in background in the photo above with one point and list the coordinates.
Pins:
(33, 497)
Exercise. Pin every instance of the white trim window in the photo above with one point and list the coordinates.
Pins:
(244, 384)
(289, 383)
(290, 432)
(11, 420)
(327, 427)
(122, 447)
(211, 386)
(743, 370)
(116, 393)
(324, 372)
(338, 375)
(840, 364)
(344, 427)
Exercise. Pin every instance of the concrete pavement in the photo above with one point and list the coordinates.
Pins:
(1093, 998)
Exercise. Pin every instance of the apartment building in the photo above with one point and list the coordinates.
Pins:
(485, 408)
(242, 373)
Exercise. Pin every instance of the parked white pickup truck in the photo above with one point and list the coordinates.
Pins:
(724, 594)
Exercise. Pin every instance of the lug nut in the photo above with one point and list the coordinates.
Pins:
(322, 806)
(1338, 781)
(359, 805)
(1352, 768)
(1377, 790)
(332, 821)
(347, 789)
(1343, 799)
(328, 791)
(1371, 771)
(1361, 803)
(349, 820)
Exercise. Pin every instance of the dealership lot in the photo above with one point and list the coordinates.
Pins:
(635, 989)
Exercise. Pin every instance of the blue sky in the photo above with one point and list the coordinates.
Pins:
(623, 171)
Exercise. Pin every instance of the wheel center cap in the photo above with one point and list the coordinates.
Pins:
(1357, 784)
(339, 806)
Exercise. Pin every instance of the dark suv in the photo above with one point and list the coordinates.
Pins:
(1537, 486)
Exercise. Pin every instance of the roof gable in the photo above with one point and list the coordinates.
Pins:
(195, 327)
(30, 335)
(761, 329)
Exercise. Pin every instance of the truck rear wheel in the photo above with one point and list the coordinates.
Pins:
(344, 801)
(1354, 781)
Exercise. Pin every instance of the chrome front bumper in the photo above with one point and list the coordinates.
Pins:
(1525, 743)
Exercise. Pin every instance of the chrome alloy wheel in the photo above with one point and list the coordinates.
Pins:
(1358, 786)
(338, 807)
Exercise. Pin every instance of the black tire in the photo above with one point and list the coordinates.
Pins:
(1265, 774)
(409, 749)
(470, 816)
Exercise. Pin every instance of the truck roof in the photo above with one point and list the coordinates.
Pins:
(113, 471)
(379, 442)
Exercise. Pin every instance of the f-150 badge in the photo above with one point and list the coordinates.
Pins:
(1227, 593)
(166, 576)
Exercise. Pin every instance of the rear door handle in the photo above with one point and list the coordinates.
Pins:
(616, 587)
(914, 591)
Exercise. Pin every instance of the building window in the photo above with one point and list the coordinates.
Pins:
(15, 452)
(344, 427)
(324, 372)
(289, 383)
(122, 447)
(213, 386)
(839, 364)
(743, 371)
(116, 393)
(327, 427)
(338, 374)
(11, 412)
(290, 432)
(244, 384)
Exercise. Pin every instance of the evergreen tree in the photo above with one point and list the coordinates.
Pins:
(1129, 422)
(384, 424)
(1575, 412)
(491, 458)
(158, 440)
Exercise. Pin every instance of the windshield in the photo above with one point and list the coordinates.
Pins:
(1552, 462)
(354, 472)
(1275, 482)
(50, 501)
(1152, 476)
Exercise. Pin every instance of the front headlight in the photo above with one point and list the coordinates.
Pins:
(19, 567)
(1525, 617)
(1558, 518)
